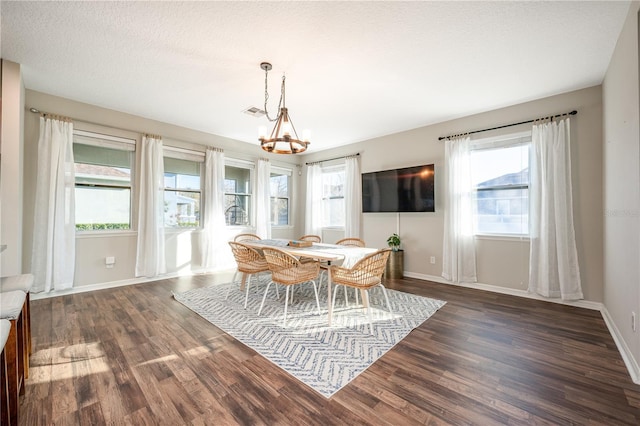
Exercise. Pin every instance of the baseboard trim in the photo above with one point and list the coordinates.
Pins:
(596, 306)
(120, 283)
(625, 352)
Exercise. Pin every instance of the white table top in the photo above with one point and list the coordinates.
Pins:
(320, 251)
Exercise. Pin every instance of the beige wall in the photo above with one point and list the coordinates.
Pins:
(622, 184)
(183, 253)
(11, 186)
(502, 263)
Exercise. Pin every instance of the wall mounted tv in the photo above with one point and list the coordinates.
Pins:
(410, 189)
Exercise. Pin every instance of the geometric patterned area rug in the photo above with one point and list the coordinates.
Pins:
(324, 358)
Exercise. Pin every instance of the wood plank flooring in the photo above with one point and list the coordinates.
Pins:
(133, 355)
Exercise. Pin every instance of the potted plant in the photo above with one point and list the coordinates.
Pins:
(394, 242)
(395, 264)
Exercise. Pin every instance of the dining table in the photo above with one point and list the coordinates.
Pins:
(326, 254)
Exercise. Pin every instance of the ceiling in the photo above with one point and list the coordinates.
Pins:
(354, 70)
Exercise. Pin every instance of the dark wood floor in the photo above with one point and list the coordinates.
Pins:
(133, 355)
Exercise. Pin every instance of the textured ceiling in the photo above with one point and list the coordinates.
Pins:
(355, 70)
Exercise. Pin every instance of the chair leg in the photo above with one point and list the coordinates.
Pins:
(346, 297)
(286, 302)
(384, 291)
(315, 290)
(246, 294)
(333, 301)
(264, 298)
(365, 296)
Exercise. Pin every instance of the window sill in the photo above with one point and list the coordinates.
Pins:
(502, 237)
(105, 234)
(180, 230)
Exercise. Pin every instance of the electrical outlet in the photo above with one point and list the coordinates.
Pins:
(109, 261)
(433, 260)
(633, 321)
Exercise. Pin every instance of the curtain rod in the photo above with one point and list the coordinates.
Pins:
(42, 113)
(574, 112)
(331, 159)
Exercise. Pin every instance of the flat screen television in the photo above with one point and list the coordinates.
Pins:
(410, 189)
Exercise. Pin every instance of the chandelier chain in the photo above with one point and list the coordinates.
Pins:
(266, 96)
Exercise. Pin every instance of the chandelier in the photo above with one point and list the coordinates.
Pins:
(283, 138)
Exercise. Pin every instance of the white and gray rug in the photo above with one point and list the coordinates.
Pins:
(325, 358)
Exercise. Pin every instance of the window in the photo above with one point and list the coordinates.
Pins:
(103, 181)
(500, 176)
(280, 183)
(237, 195)
(182, 189)
(333, 212)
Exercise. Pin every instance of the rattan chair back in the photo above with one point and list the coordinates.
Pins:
(249, 260)
(312, 238)
(351, 242)
(366, 273)
(246, 237)
(286, 269)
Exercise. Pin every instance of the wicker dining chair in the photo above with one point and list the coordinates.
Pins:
(246, 237)
(351, 242)
(364, 275)
(312, 238)
(347, 242)
(288, 271)
(250, 262)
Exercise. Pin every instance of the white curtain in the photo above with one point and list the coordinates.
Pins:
(54, 250)
(313, 208)
(215, 244)
(352, 197)
(553, 259)
(458, 253)
(150, 260)
(263, 199)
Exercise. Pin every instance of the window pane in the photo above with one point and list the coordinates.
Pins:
(333, 184)
(102, 166)
(89, 154)
(237, 180)
(102, 208)
(279, 211)
(333, 212)
(279, 185)
(181, 174)
(501, 197)
(502, 211)
(236, 209)
(333, 197)
(501, 166)
(279, 189)
(181, 209)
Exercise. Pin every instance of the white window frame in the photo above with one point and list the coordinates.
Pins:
(105, 140)
(497, 142)
(189, 155)
(275, 170)
(243, 164)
